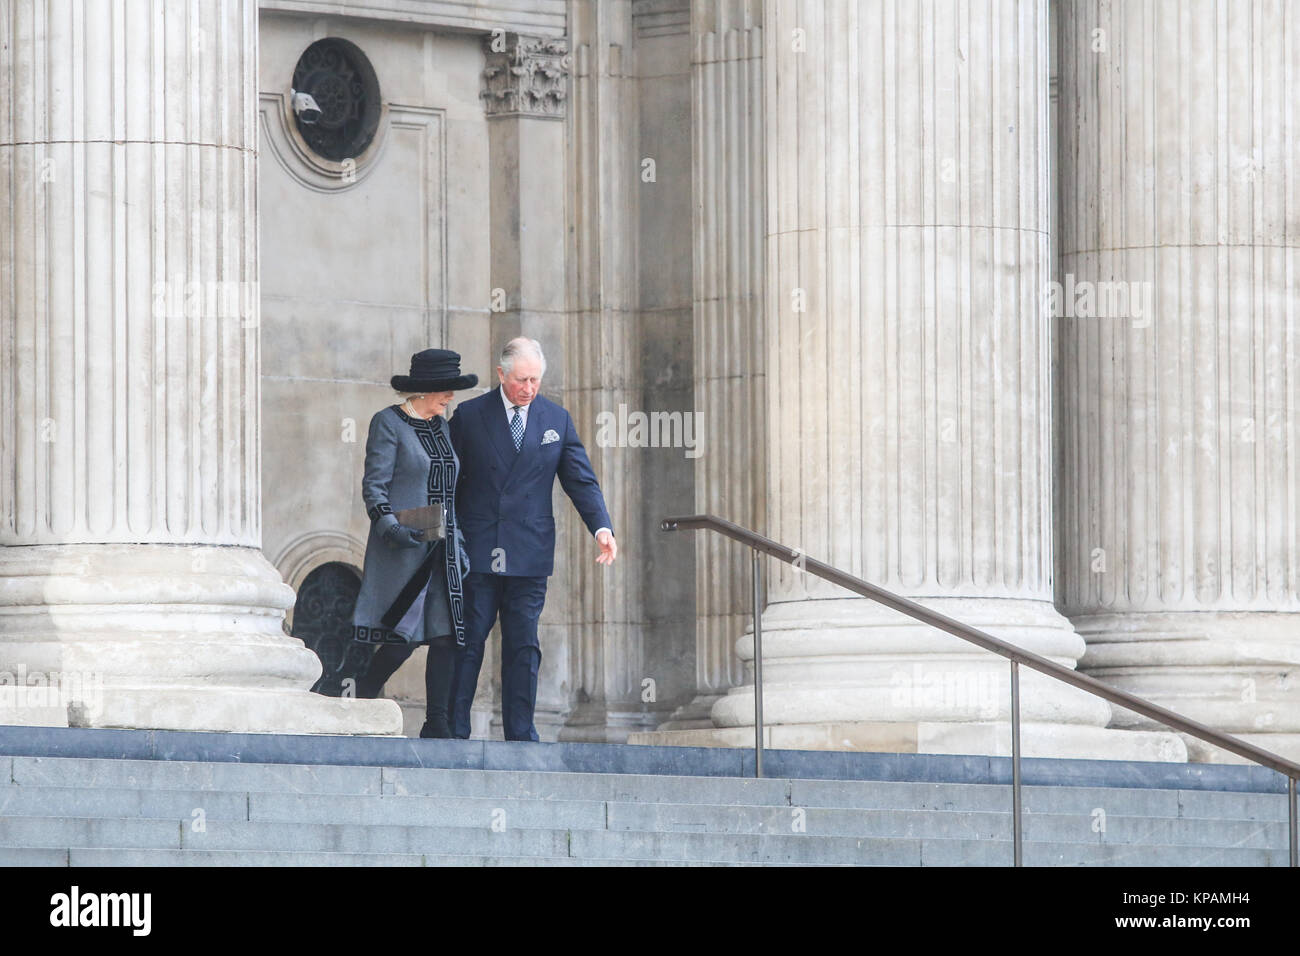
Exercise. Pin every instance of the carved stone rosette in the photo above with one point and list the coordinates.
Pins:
(525, 76)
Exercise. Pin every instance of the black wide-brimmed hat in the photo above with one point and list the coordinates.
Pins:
(434, 370)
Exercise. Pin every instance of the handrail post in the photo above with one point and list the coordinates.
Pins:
(758, 667)
(1016, 835)
(1291, 819)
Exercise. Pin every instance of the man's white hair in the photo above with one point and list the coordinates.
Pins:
(521, 346)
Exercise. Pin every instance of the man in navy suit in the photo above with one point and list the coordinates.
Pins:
(512, 444)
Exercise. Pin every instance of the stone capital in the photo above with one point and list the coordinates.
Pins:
(525, 75)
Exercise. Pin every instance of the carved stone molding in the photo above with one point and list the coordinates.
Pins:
(307, 552)
(282, 139)
(525, 76)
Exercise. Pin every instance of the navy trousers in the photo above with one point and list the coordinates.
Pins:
(518, 601)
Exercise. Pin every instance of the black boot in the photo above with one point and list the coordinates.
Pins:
(437, 687)
(383, 665)
(436, 727)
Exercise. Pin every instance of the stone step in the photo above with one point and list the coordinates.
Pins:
(531, 805)
(1000, 853)
(120, 833)
(928, 853)
(863, 794)
(190, 807)
(945, 825)
(965, 796)
(495, 784)
(804, 850)
(68, 832)
(92, 856)
(880, 838)
(124, 803)
(604, 759)
(114, 773)
(594, 844)
(98, 857)
(37, 856)
(631, 788)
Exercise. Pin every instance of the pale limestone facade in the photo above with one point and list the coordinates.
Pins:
(826, 230)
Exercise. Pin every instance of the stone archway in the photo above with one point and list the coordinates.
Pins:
(322, 619)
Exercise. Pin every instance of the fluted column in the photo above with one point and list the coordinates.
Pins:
(1180, 526)
(728, 223)
(602, 357)
(130, 480)
(907, 399)
(525, 94)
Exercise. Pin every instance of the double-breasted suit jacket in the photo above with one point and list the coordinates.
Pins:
(504, 500)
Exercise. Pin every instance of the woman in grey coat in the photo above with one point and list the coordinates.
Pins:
(411, 588)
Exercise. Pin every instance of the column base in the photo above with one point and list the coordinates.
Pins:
(850, 674)
(601, 724)
(1238, 672)
(549, 724)
(1284, 745)
(161, 637)
(242, 711)
(692, 716)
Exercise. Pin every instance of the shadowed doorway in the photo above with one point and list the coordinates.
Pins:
(322, 619)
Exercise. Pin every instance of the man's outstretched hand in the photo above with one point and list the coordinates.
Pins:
(608, 547)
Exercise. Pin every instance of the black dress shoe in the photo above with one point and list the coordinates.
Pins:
(435, 730)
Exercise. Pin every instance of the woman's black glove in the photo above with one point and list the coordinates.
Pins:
(400, 536)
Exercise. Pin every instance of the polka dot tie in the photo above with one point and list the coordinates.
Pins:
(517, 428)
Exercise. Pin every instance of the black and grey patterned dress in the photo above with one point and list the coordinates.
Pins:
(409, 464)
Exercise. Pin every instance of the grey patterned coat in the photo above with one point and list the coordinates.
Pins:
(409, 464)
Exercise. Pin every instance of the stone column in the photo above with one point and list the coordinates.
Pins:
(730, 477)
(1178, 305)
(130, 479)
(907, 400)
(602, 361)
(525, 96)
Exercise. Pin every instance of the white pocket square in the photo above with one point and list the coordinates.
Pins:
(550, 436)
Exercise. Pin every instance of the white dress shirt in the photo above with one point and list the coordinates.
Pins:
(523, 416)
(510, 410)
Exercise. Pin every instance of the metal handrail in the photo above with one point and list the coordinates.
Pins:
(1016, 655)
